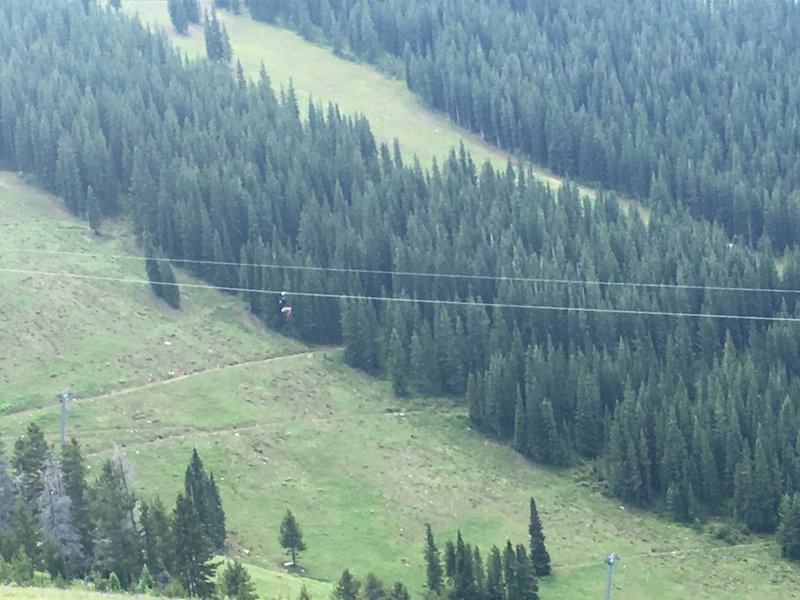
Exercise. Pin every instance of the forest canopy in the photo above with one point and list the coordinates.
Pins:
(684, 102)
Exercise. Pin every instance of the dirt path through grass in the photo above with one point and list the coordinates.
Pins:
(178, 378)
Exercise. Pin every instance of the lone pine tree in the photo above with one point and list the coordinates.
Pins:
(291, 537)
(539, 555)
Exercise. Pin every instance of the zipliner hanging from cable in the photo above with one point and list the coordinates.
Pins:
(283, 306)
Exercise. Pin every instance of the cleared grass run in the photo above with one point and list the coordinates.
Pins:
(283, 426)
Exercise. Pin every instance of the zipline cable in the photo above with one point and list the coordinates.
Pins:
(466, 276)
(583, 309)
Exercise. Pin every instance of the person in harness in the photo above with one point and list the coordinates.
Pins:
(283, 306)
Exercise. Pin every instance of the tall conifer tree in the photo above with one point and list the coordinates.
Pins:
(291, 537)
(30, 455)
(539, 555)
(192, 553)
(433, 563)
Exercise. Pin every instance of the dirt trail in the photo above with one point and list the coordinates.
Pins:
(171, 380)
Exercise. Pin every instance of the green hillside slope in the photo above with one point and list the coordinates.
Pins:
(392, 110)
(282, 425)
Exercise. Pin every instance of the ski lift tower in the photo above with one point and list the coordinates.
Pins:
(610, 562)
(63, 398)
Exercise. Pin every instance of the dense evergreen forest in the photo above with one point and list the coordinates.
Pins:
(684, 101)
(695, 415)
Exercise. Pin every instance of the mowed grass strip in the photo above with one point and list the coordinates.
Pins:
(316, 72)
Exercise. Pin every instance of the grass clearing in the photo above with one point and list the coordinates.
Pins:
(392, 109)
(141, 342)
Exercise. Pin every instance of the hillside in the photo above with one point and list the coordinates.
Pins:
(292, 427)
(318, 74)
(689, 96)
(670, 393)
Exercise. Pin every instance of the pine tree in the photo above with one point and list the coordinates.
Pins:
(291, 537)
(216, 515)
(494, 575)
(75, 486)
(433, 563)
(55, 517)
(218, 45)
(373, 588)
(464, 575)
(30, 455)
(369, 45)
(156, 536)
(475, 400)
(236, 583)
(178, 15)
(192, 10)
(742, 486)
(347, 587)
(169, 289)
(764, 497)
(7, 491)
(526, 578)
(423, 372)
(225, 44)
(161, 276)
(510, 579)
(116, 539)
(539, 555)
(93, 211)
(196, 488)
(450, 560)
(359, 333)
(192, 552)
(398, 592)
(68, 182)
(114, 584)
(588, 418)
(789, 530)
(27, 535)
(397, 364)
(146, 582)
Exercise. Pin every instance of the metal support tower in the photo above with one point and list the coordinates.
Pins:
(64, 397)
(610, 562)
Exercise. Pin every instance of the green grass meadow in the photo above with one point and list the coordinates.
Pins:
(283, 425)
